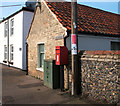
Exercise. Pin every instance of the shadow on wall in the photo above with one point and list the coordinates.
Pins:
(80, 68)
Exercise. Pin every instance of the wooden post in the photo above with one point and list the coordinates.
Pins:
(74, 48)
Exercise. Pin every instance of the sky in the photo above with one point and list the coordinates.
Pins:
(107, 5)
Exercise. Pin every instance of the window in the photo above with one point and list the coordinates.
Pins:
(11, 52)
(12, 27)
(115, 45)
(6, 29)
(5, 52)
(41, 55)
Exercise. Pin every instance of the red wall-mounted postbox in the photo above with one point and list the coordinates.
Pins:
(61, 55)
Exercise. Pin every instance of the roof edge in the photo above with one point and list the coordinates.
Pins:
(23, 9)
(54, 15)
(94, 34)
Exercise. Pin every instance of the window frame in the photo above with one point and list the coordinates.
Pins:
(12, 26)
(6, 29)
(11, 52)
(5, 52)
(113, 43)
(39, 67)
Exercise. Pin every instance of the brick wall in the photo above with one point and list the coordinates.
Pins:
(100, 75)
(44, 29)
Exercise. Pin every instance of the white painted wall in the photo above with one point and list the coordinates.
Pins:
(90, 42)
(16, 39)
(27, 19)
(2, 42)
(22, 22)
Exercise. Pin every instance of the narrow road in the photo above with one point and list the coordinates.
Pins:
(19, 88)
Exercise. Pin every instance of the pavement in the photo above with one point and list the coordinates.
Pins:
(19, 88)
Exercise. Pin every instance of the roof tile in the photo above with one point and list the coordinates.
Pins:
(89, 19)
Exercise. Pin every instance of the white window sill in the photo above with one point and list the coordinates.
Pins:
(40, 69)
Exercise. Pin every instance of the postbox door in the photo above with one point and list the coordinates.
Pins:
(58, 59)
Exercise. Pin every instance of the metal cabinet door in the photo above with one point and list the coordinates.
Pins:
(50, 74)
(45, 73)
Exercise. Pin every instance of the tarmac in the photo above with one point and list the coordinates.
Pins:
(19, 88)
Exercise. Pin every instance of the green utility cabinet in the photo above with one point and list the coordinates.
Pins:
(51, 74)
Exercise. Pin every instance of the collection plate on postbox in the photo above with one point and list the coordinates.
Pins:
(61, 55)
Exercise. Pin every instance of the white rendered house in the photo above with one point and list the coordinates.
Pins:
(13, 32)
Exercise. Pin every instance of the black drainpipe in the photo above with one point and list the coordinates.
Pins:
(26, 58)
